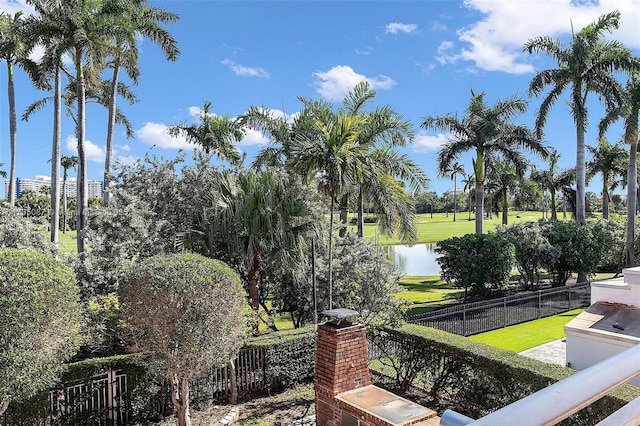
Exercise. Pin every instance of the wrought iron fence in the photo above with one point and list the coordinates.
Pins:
(477, 317)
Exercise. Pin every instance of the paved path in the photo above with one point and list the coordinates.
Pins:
(553, 352)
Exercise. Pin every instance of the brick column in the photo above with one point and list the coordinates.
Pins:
(342, 364)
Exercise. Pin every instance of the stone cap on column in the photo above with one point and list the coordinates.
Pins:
(339, 317)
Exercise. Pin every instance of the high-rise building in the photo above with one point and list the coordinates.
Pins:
(36, 184)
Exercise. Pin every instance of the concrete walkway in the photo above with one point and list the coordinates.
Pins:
(553, 352)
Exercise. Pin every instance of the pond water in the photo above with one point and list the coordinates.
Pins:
(418, 259)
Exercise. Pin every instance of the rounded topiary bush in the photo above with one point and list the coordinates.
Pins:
(40, 322)
(187, 314)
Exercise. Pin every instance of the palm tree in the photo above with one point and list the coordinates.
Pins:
(141, 21)
(253, 214)
(487, 131)
(14, 51)
(67, 163)
(629, 111)
(586, 65)
(502, 180)
(469, 182)
(553, 180)
(453, 170)
(215, 134)
(86, 29)
(610, 161)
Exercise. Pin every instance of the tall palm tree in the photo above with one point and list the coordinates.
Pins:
(453, 170)
(553, 180)
(610, 161)
(67, 162)
(586, 65)
(215, 134)
(141, 21)
(86, 29)
(502, 179)
(629, 111)
(253, 214)
(14, 51)
(487, 131)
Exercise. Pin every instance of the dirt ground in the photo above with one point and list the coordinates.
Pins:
(281, 409)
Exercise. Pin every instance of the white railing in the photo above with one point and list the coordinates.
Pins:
(555, 403)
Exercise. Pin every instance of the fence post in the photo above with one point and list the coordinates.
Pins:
(464, 319)
(504, 311)
(539, 303)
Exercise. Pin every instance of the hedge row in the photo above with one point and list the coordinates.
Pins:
(453, 372)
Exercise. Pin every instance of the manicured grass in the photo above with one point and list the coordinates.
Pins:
(426, 293)
(529, 334)
(441, 227)
(67, 242)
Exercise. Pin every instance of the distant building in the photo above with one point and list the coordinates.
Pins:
(36, 184)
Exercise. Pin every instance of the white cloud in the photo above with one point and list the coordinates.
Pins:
(364, 51)
(495, 42)
(397, 27)
(245, 71)
(253, 137)
(13, 6)
(438, 26)
(158, 134)
(126, 148)
(429, 143)
(126, 160)
(334, 84)
(92, 151)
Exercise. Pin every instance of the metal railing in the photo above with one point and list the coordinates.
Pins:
(555, 403)
(477, 317)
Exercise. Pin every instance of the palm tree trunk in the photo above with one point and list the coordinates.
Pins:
(344, 215)
(55, 162)
(12, 134)
(632, 182)
(505, 209)
(252, 278)
(605, 198)
(580, 176)
(454, 197)
(479, 206)
(554, 214)
(331, 253)
(361, 214)
(82, 203)
(108, 158)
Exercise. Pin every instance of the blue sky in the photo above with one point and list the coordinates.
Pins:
(421, 57)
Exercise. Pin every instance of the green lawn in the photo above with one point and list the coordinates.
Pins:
(440, 227)
(527, 335)
(426, 293)
(67, 242)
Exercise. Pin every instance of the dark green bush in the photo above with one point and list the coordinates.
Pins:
(40, 322)
(479, 263)
(472, 378)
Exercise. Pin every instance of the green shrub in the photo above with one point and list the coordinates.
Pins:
(41, 322)
(480, 263)
(531, 248)
(472, 378)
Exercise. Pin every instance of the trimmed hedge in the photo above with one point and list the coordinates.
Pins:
(453, 372)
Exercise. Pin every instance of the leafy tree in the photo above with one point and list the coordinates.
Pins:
(41, 322)
(503, 179)
(575, 247)
(610, 161)
(186, 313)
(629, 111)
(586, 65)
(20, 232)
(531, 249)
(487, 131)
(479, 263)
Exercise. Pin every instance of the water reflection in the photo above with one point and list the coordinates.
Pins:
(418, 259)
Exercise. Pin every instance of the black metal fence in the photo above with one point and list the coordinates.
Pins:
(473, 318)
